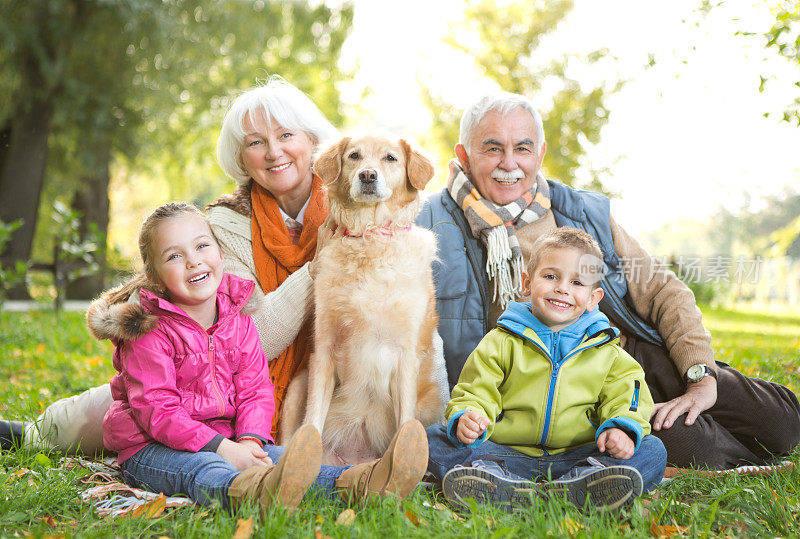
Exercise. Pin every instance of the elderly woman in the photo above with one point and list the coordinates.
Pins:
(269, 229)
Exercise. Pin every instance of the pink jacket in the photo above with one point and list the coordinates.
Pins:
(179, 384)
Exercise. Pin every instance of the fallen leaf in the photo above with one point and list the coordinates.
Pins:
(151, 509)
(94, 361)
(663, 532)
(244, 528)
(443, 507)
(572, 527)
(50, 521)
(40, 348)
(415, 520)
(346, 517)
(319, 519)
(19, 473)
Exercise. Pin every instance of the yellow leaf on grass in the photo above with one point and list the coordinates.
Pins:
(443, 507)
(572, 527)
(50, 521)
(346, 517)
(319, 519)
(663, 532)
(244, 528)
(40, 348)
(94, 361)
(151, 509)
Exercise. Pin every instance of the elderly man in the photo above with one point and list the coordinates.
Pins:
(497, 203)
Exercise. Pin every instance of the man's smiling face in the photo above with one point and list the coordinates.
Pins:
(504, 155)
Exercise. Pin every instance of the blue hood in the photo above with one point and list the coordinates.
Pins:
(518, 317)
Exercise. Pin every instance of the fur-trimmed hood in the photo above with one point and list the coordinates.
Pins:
(113, 317)
(123, 320)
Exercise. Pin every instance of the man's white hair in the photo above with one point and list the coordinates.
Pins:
(504, 102)
(277, 100)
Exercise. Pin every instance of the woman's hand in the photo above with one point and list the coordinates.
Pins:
(327, 231)
(244, 454)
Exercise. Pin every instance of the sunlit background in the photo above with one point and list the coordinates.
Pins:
(682, 111)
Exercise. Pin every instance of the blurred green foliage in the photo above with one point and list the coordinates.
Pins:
(504, 43)
(784, 37)
(141, 85)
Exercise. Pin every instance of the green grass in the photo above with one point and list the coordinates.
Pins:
(43, 358)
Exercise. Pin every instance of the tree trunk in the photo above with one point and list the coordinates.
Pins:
(21, 180)
(91, 199)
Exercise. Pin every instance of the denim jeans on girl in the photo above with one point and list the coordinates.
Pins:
(650, 459)
(203, 476)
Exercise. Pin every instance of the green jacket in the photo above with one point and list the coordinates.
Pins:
(547, 392)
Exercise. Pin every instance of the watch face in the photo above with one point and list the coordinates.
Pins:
(695, 372)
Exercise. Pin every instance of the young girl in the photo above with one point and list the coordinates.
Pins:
(193, 402)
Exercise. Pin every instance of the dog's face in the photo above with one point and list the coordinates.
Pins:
(371, 170)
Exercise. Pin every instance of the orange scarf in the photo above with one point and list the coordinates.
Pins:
(276, 257)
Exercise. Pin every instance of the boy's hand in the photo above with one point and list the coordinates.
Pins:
(243, 455)
(616, 443)
(470, 426)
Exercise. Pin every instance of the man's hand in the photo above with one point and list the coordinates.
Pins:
(616, 443)
(470, 426)
(699, 397)
(244, 454)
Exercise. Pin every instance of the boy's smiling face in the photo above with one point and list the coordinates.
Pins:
(560, 287)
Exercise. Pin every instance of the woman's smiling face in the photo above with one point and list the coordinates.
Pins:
(279, 160)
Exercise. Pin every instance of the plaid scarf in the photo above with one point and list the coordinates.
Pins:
(496, 227)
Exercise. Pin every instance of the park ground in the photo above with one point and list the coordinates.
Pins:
(44, 357)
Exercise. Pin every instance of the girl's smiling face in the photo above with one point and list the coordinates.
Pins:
(188, 264)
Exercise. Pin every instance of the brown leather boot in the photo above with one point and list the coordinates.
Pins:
(397, 472)
(286, 482)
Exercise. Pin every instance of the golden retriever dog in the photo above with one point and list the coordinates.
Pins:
(375, 317)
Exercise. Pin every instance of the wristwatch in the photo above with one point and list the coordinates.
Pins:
(698, 372)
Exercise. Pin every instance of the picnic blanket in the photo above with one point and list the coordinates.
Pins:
(104, 488)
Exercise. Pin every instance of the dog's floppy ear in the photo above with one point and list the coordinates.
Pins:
(329, 164)
(418, 167)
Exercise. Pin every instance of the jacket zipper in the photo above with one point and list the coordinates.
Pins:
(550, 390)
(215, 387)
(555, 368)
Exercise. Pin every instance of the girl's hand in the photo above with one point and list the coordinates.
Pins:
(327, 231)
(470, 426)
(616, 443)
(242, 455)
(257, 450)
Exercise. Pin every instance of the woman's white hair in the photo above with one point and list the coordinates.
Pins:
(277, 100)
(504, 102)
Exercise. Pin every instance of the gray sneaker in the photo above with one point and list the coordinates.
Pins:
(607, 487)
(489, 483)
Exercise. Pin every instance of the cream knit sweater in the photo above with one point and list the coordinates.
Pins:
(278, 315)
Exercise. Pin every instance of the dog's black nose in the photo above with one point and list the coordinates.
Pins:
(368, 175)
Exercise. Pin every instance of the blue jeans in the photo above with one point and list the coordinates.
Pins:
(650, 459)
(203, 476)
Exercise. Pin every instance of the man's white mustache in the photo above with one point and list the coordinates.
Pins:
(499, 174)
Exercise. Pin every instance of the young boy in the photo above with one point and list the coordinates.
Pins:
(550, 393)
